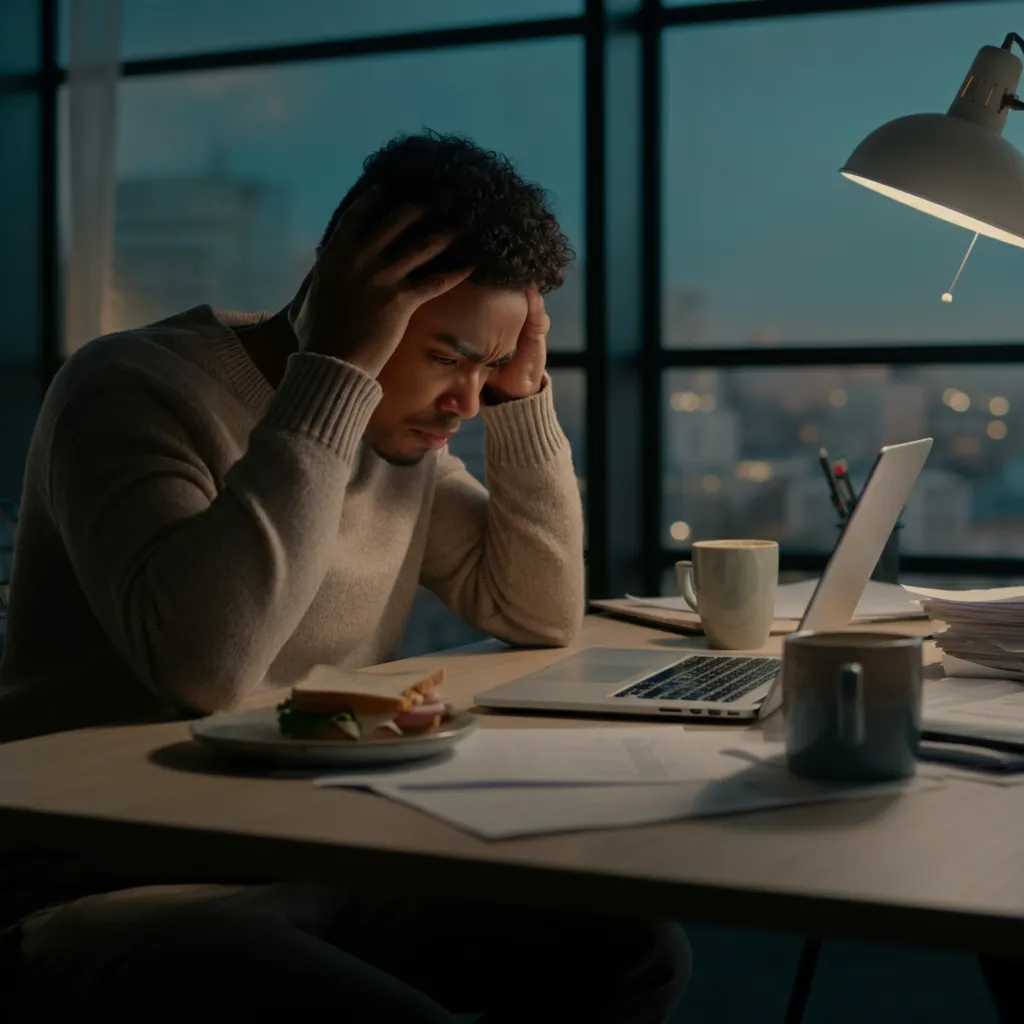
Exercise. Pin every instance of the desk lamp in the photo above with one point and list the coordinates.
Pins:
(957, 165)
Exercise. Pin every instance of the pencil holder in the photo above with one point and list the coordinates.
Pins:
(887, 568)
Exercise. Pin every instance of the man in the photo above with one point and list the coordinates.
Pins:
(216, 502)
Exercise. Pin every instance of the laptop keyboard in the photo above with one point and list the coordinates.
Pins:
(703, 678)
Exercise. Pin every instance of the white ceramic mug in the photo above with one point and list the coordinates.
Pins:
(731, 585)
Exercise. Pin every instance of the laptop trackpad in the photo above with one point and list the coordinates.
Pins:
(606, 667)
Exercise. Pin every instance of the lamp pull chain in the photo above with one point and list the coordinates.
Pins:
(948, 296)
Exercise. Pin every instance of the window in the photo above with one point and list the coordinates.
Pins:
(19, 404)
(229, 168)
(151, 29)
(226, 179)
(741, 453)
(765, 243)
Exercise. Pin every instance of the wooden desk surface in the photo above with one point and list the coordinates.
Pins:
(939, 868)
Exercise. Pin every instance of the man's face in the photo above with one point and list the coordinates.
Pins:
(434, 379)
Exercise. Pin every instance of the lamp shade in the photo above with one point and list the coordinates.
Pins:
(957, 165)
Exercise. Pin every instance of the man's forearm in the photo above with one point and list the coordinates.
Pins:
(510, 560)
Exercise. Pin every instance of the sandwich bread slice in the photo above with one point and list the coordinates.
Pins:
(331, 703)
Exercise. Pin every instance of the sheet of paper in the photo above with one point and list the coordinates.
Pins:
(515, 811)
(879, 601)
(1009, 706)
(620, 755)
(958, 668)
(975, 708)
(988, 596)
(955, 691)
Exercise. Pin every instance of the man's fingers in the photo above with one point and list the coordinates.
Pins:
(353, 219)
(437, 284)
(536, 318)
(420, 256)
(391, 227)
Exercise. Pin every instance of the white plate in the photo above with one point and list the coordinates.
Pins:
(254, 733)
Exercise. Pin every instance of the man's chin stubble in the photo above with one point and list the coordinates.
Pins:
(398, 459)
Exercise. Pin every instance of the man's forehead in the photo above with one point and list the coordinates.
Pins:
(494, 353)
(475, 320)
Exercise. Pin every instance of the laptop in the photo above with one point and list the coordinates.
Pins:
(712, 684)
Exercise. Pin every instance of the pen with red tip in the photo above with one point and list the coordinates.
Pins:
(847, 495)
(833, 493)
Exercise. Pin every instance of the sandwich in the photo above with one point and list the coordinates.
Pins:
(331, 703)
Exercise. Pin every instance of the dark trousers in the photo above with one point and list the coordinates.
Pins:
(257, 952)
(1006, 986)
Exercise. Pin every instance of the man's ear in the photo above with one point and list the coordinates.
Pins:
(319, 251)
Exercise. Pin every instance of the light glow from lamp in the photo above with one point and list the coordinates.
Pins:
(942, 212)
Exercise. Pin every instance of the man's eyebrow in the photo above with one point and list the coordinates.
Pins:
(468, 352)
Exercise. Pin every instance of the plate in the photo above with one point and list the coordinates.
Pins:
(253, 733)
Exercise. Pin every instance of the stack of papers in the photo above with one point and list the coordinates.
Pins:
(984, 627)
(880, 602)
(499, 783)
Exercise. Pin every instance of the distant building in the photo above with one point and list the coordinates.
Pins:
(684, 313)
(938, 514)
(905, 413)
(703, 441)
(812, 523)
(180, 242)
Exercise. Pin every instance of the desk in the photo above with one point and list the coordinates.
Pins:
(939, 868)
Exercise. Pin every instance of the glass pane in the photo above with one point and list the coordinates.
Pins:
(19, 405)
(20, 27)
(741, 447)
(432, 627)
(765, 242)
(20, 211)
(196, 26)
(226, 180)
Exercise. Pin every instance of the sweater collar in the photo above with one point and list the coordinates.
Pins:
(249, 384)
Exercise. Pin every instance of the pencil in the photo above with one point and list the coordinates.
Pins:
(833, 493)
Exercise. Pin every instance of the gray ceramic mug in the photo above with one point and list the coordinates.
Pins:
(852, 704)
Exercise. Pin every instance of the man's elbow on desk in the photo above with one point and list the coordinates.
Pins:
(556, 631)
(202, 690)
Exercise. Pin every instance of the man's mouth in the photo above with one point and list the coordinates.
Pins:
(434, 438)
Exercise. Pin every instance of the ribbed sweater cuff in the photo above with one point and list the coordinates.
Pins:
(523, 432)
(324, 399)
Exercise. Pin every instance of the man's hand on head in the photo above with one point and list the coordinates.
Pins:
(524, 375)
(357, 301)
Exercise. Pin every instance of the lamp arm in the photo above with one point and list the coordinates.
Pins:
(1011, 38)
(1009, 100)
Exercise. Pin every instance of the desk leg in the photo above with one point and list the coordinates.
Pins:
(802, 983)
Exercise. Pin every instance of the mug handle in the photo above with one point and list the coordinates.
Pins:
(684, 573)
(850, 705)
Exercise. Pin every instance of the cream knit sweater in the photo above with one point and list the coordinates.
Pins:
(189, 536)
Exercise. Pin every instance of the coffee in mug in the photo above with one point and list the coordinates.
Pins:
(731, 585)
(852, 705)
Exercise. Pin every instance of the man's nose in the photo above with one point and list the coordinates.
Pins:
(464, 399)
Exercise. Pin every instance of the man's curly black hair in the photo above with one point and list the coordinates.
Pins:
(506, 230)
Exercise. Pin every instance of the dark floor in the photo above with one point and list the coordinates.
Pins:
(741, 978)
(745, 978)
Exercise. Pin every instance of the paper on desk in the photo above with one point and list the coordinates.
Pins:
(514, 811)
(958, 668)
(988, 596)
(583, 756)
(879, 601)
(977, 707)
